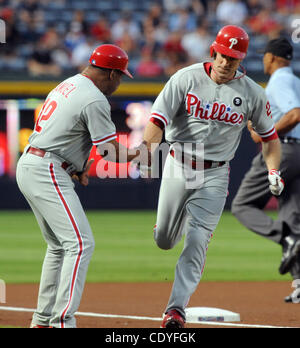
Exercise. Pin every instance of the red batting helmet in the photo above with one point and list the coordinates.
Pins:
(231, 41)
(110, 57)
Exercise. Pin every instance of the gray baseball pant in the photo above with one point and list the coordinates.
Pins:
(49, 190)
(254, 193)
(194, 213)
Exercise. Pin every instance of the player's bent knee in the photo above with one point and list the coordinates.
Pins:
(85, 247)
(89, 247)
(162, 238)
(164, 243)
(234, 210)
(235, 207)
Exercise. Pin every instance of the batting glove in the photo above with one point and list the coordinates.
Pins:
(276, 182)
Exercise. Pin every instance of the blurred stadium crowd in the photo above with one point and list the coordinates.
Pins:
(51, 37)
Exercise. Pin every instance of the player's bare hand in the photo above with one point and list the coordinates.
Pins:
(250, 127)
(83, 178)
(255, 137)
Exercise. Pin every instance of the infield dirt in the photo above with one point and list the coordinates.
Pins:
(259, 303)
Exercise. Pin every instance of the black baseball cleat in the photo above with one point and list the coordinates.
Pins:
(173, 320)
(290, 250)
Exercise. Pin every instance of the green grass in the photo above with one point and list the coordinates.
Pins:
(125, 250)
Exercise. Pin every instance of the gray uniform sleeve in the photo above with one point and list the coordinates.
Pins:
(97, 117)
(169, 100)
(262, 118)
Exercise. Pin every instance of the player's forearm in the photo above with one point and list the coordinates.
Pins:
(152, 136)
(272, 154)
(288, 121)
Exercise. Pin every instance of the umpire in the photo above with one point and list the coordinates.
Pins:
(283, 92)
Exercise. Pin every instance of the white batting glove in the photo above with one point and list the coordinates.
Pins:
(276, 182)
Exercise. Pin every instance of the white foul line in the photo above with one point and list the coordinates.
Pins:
(132, 317)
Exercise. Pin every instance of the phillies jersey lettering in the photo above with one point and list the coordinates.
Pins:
(194, 109)
(75, 116)
(217, 111)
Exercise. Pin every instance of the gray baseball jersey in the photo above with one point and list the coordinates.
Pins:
(194, 109)
(75, 116)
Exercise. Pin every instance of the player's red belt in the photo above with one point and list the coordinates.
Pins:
(206, 164)
(41, 153)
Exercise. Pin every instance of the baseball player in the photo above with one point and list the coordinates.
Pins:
(75, 116)
(283, 92)
(208, 103)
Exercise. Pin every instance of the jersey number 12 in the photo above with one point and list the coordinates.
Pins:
(45, 113)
